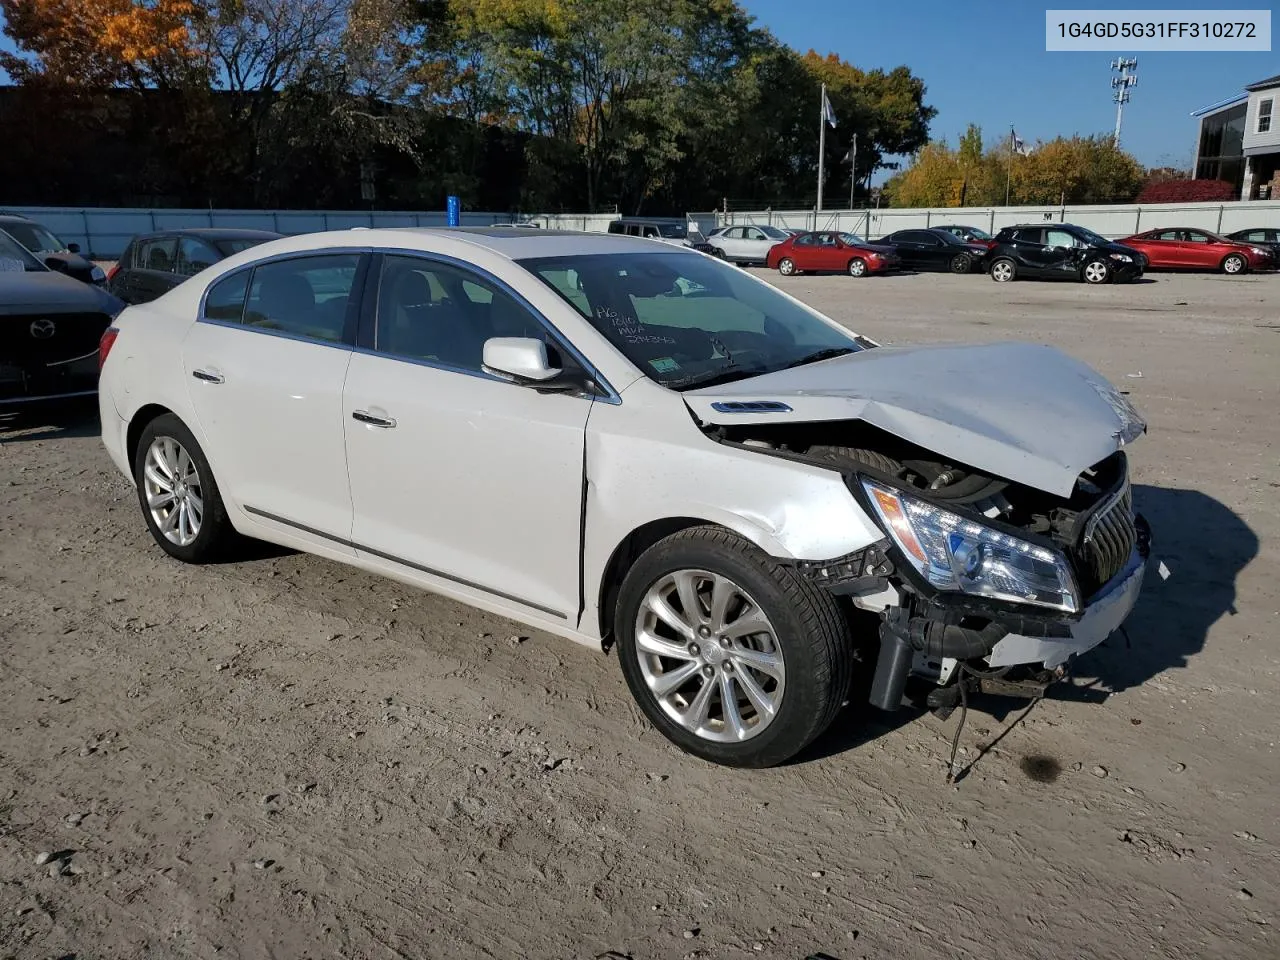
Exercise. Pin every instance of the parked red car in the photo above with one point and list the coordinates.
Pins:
(829, 252)
(1186, 248)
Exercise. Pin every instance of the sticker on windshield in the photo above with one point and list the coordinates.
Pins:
(664, 365)
(11, 265)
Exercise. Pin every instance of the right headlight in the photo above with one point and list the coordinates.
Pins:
(1122, 257)
(956, 553)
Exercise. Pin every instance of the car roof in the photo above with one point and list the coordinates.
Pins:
(514, 243)
(14, 218)
(650, 219)
(213, 233)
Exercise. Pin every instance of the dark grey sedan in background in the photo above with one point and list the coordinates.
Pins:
(154, 263)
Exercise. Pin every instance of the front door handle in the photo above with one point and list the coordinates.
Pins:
(208, 376)
(364, 416)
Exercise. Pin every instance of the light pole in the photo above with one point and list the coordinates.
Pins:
(1121, 85)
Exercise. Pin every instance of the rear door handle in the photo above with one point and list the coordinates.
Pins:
(208, 376)
(364, 416)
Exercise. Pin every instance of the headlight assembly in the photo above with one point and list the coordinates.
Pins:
(955, 553)
(1122, 257)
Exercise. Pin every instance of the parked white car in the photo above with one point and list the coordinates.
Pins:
(745, 244)
(639, 447)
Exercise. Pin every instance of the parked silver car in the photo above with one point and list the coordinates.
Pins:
(745, 244)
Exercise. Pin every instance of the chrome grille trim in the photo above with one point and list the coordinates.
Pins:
(1109, 538)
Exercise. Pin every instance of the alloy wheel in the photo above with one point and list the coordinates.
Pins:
(1002, 271)
(1233, 264)
(857, 268)
(709, 656)
(786, 267)
(1095, 271)
(173, 490)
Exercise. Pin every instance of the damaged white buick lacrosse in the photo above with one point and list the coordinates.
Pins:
(640, 447)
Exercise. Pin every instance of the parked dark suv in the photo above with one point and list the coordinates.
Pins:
(1061, 251)
(154, 263)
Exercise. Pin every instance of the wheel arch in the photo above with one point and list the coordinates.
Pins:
(137, 423)
(1222, 264)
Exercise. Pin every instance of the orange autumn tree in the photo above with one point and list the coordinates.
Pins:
(100, 43)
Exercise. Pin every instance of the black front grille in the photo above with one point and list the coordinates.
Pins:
(37, 340)
(1110, 534)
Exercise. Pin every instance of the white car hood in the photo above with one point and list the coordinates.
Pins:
(1028, 413)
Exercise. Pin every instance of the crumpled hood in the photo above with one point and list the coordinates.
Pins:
(51, 292)
(1028, 413)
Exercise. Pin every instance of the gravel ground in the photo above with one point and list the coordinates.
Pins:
(282, 757)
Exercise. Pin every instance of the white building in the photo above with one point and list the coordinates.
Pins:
(1239, 141)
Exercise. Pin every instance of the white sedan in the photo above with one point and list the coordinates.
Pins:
(637, 446)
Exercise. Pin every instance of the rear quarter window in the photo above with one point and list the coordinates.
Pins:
(225, 299)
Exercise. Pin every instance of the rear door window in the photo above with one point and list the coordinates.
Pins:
(193, 256)
(305, 297)
(225, 299)
(158, 253)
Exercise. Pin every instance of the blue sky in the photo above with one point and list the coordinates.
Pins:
(984, 62)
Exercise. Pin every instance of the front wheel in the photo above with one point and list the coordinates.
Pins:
(718, 253)
(961, 263)
(857, 267)
(1096, 271)
(177, 492)
(734, 657)
(787, 267)
(1234, 264)
(1003, 270)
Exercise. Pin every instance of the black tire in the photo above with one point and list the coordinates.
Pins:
(813, 637)
(961, 263)
(1235, 264)
(787, 267)
(1096, 272)
(857, 267)
(216, 535)
(1003, 270)
(718, 252)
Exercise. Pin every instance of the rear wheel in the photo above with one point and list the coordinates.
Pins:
(961, 263)
(1003, 270)
(178, 494)
(733, 656)
(1234, 264)
(857, 267)
(787, 267)
(1096, 271)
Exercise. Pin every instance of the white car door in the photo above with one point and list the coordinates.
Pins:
(457, 473)
(731, 243)
(265, 367)
(755, 245)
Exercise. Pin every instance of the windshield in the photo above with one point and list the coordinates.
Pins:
(673, 231)
(1090, 237)
(773, 233)
(15, 258)
(34, 237)
(977, 234)
(688, 321)
(851, 238)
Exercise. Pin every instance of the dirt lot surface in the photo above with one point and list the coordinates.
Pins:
(282, 757)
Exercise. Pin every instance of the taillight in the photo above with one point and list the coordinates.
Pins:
(105, 344)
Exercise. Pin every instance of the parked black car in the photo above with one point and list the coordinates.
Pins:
(1260, 237)
(56, 255)
(1061, 251)
(154, 263)
(50, 328)
(935, 250)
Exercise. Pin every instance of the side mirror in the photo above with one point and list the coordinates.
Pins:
(522, 358)
(73, 248)
(56, 263)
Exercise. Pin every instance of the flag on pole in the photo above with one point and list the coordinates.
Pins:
(1018, 146)
(828, 113)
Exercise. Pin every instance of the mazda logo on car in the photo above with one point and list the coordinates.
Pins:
(43, 329)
